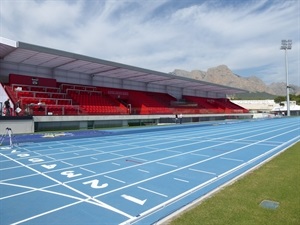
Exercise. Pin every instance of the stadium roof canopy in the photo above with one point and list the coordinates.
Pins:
(33, 55)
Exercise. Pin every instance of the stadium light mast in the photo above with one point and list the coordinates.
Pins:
(287, 45)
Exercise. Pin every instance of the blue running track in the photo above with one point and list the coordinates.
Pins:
(130, 176)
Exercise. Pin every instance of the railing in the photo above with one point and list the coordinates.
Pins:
(51, 101)
(24, 87)
(51, 110)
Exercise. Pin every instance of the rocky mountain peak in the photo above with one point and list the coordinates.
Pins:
(224, 76)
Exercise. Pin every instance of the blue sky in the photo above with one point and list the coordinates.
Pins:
(165, 35)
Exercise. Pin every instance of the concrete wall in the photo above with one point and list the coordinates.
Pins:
(56, 123)
(17, 126)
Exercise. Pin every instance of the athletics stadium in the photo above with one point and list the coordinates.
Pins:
(100, 142)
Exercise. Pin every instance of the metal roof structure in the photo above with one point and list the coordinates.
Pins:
(33, 55)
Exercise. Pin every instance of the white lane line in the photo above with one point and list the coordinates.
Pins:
(50, 157)
(75, 153)
(17, 178)
(144, 171)
(145, 160)
(99, 151)
(112, 153)
(69, 164)
(185, 181)
(230, 159)
(121, 181)
(32, 189)
(15, 195)
(117, 164)
(94, 158)
(89, 200)
(202, 171)
(45, 213)
(87, 170)
(154, 192)
(166, 164)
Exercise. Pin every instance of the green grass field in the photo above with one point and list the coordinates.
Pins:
(238, 204)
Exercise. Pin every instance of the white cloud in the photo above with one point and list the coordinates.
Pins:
(164, 35)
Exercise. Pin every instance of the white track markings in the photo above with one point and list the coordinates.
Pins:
(196, 163)
(144, 171)
(168, 149)
(91, 171)
(45, 213)
(231, 159)
(89, 199)
(115, 179)
(202, 171)
(69, 164)
(151, 191)
(185, 181)
(192, 190)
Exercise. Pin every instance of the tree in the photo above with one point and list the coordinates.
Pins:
(279, 99)
(296, 98)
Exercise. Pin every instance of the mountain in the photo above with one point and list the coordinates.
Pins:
(224, 76)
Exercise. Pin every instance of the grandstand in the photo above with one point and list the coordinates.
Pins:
(62, 90)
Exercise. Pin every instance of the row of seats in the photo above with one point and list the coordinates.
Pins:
(69, 99)
(95, 102)
(216, 105)
(149, 103)
(140, 102)
(53, 101)
(35, 94)
(230, 107)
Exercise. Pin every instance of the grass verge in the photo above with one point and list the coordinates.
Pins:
(238, 204)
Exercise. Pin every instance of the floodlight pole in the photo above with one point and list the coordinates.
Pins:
(287, 45)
